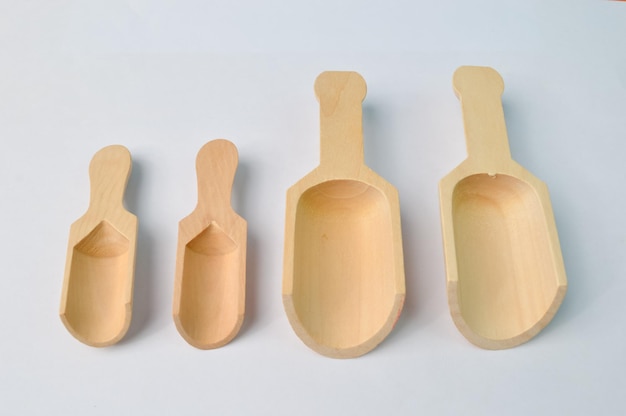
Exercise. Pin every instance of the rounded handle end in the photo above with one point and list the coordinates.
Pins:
(109, 171)
(330, 85)
(218, 152)
(115, 157)
(216, 165)
(475, 79)
(479, 90)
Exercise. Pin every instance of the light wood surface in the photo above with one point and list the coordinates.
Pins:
(210, 280)
(343, 278)
(96, 302)
(505, 273)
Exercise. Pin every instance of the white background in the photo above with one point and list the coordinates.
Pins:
(164, 77)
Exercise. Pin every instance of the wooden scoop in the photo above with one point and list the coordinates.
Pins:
(343, 281)
(505, 273)
(210, 281)
(96, 302)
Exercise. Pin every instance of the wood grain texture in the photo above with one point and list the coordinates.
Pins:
(505, 272)
(96, 301)
(343, 271)
(210, 280)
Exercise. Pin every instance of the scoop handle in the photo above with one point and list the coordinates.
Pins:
(216, 165)
(109, 171)
(480, 91)
(340, 94)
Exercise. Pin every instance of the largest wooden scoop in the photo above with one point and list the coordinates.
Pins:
(343, 279)
(96, 303)
(505, 274)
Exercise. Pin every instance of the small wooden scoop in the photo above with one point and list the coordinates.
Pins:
(505, 273)
(210, 281)
(96, 303)
(343, 281)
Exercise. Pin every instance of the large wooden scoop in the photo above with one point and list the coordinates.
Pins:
(343, 281)
(505, 273)
(96, 302)
(210, 281)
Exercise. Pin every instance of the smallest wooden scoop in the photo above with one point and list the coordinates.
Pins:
(96, 302)
(505, 273)
(210, 281)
